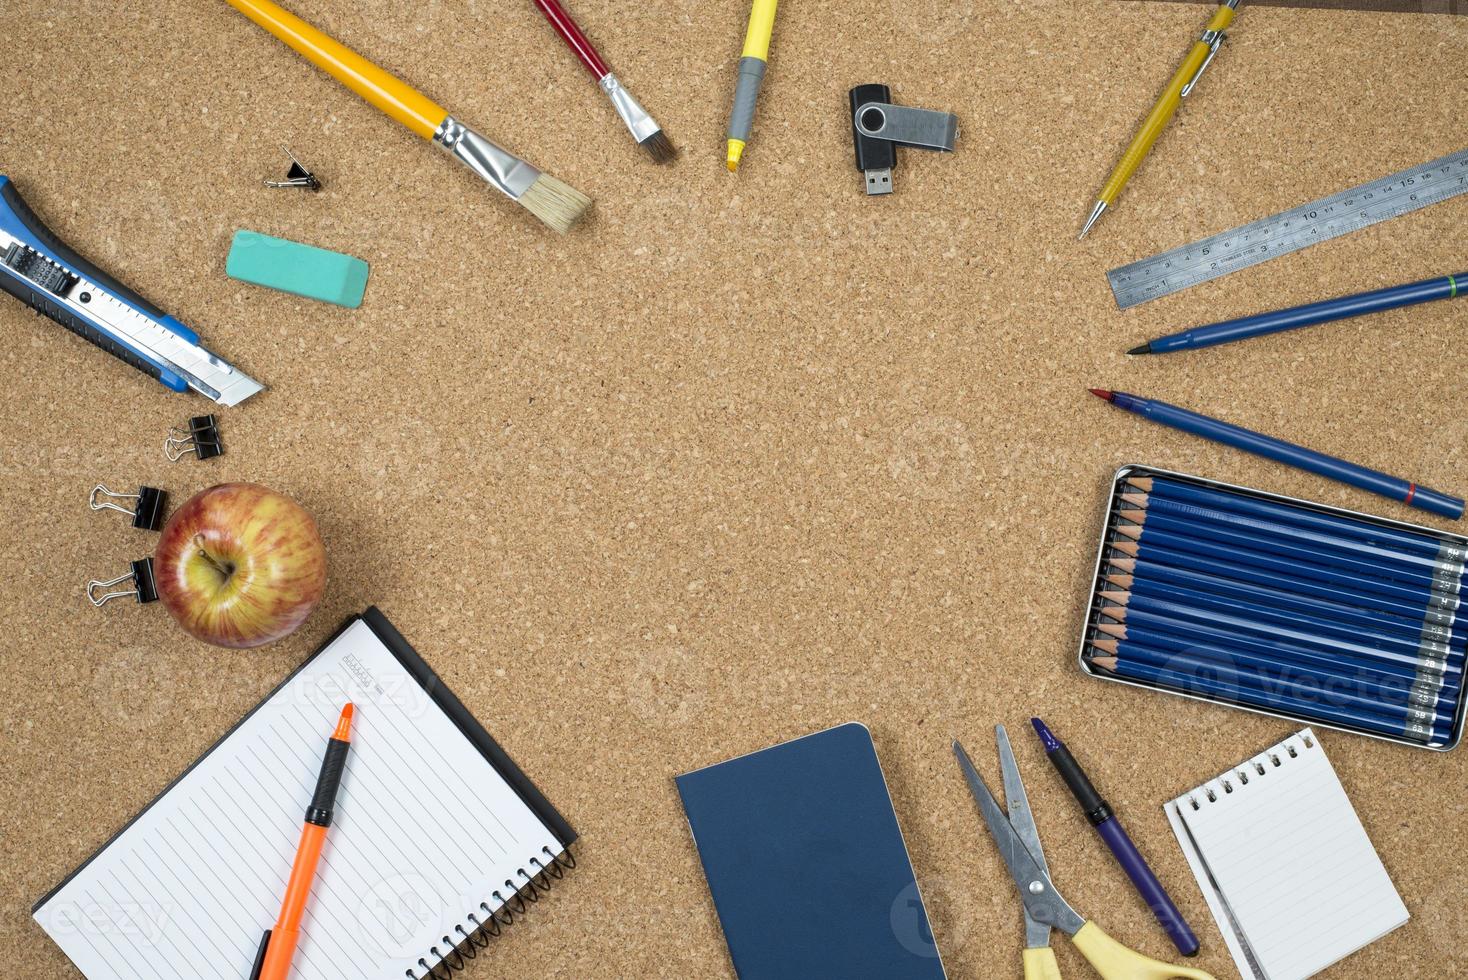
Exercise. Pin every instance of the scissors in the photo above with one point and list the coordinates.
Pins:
(1019, 844)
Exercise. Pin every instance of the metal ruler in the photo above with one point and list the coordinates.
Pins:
(1319, 221)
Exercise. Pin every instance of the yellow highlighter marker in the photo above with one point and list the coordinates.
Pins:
(1187, 75)
(553, 202)
(752, 63)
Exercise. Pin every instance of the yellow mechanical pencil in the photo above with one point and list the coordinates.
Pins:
(1187, 75)
(751, 74)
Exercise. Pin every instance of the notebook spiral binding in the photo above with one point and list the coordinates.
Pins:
(1241, 774)
(480, 931)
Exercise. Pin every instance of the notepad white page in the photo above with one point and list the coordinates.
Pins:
(1298, 884)
(425, 830)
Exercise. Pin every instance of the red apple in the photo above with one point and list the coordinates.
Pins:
(240, 565)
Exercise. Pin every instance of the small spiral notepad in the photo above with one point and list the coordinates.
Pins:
(1286, 867)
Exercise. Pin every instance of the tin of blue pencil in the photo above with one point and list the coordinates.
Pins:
(1265, 642)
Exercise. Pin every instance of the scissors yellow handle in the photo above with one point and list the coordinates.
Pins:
(1116, 962)
(1040, 964)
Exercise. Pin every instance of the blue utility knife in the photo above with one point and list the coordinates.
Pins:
(39, 269)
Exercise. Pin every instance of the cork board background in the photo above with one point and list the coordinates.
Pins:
(744, 457)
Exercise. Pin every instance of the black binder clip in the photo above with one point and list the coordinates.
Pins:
(297, 176)
(149, 512)
(144, 586)
(201, 439)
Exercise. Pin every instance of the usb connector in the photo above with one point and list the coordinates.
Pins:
(879, 180)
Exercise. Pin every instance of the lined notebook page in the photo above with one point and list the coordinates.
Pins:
(1292, 864)
(425, 830)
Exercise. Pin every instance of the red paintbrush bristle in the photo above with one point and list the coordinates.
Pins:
(1102, 393)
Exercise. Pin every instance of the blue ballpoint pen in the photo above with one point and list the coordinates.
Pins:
(1288, 453)
(1341, 308)
(1100, 814)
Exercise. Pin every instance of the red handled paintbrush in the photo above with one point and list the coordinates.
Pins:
(649, 134)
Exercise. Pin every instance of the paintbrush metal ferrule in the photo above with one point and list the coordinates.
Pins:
(638, 120)
(512, 175)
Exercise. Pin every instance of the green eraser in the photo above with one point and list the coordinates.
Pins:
(315, 273)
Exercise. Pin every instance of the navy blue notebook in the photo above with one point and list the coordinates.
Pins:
(806, 863)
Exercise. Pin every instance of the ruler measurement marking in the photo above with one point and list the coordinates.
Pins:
(1330, 217)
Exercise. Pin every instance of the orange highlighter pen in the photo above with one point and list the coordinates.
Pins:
(273, 962)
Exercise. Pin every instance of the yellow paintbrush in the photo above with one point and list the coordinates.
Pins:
(553, 202)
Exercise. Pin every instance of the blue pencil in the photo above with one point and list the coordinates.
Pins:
(1147, 524)
(1149, 578)
(1220, 690)
(1277, 643)
(1237, 503)
(1176, 547)
(1341, 308)
(1386, 555)
(1287, 453)
(1274, 678)
(1437, 693)
(1188, 604)
(1181, 563)
(1428, 689)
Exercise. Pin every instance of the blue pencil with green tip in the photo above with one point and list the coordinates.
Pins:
(1309, 315)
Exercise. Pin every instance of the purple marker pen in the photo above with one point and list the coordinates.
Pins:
(1098, 811)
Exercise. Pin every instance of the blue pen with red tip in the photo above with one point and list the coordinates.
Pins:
(1099, 813)
(1405, 491)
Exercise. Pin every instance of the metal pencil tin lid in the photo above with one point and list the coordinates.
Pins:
(1458, 617)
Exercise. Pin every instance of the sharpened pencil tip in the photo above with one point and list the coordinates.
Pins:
(1141, 349)
(1102, 393)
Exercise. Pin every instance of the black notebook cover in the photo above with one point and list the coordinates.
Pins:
(452, 708)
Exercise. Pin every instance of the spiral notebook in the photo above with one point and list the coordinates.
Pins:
(1286, 867)
(439, 839)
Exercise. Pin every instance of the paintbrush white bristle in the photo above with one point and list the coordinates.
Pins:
(556, 203)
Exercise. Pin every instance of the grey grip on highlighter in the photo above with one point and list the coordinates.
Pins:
(741, 117)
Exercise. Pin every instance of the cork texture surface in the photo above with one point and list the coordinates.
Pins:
(742, 457)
